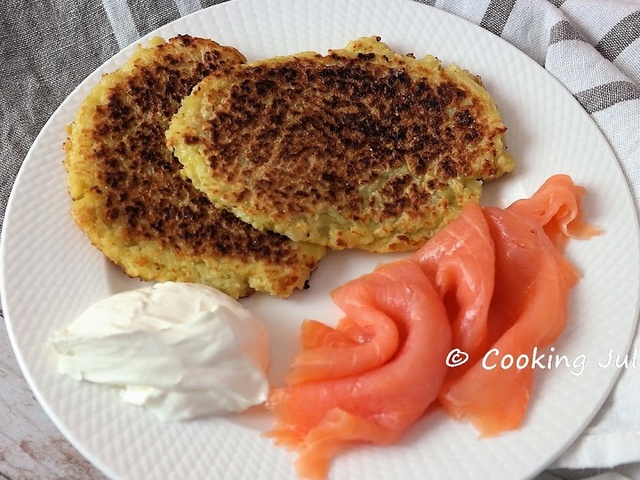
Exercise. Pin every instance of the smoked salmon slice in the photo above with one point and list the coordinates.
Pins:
(493, 283)
(348, 349)
(460, 261)
(528, 310)
(315, 417)
(557, 207)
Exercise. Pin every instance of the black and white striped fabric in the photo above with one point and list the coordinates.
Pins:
(591, 46)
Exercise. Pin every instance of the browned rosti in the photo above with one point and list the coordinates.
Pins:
(133, 204)
(359, 148)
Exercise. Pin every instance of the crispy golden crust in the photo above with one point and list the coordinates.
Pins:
(359, 148)
(131, 200)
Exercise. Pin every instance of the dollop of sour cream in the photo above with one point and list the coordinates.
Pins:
(181, 350)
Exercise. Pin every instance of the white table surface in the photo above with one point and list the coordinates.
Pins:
(31, 447)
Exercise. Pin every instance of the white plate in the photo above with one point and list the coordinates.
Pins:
(51, 272)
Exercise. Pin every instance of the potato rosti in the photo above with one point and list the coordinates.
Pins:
(360, 148)
(133, 204)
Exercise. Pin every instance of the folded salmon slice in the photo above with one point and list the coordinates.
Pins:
(460, 261)
(528, 308)
(315, 417)
(557, 207)
(365, 339)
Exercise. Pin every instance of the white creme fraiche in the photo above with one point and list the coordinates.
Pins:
(181, 350)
